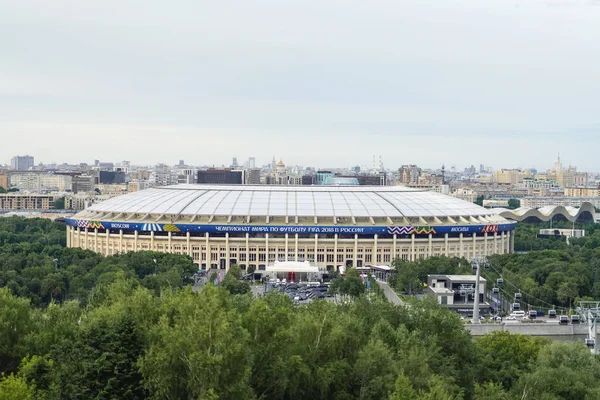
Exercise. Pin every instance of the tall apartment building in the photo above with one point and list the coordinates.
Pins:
(538, 202)
(83, 183)
(581, 179)
(21, 163)
(580, 191)
(111, 177)
(253, 176)
(186, 175)
(162, 179)
(41, 182)
(408, 174)
(19, 201)
(137, 185)
(220, 176)
(466, 194)
(509, 176)
(112, 190)
(3, 180)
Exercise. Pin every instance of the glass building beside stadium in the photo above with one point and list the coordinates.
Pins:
(329, 226)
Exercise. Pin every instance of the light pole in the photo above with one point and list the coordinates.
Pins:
(155, 266)
(476, 302)
(55, 263)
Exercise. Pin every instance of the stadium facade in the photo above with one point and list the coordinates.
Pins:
(328, 226)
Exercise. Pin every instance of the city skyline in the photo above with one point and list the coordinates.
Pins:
(513, 82)
(250, 162)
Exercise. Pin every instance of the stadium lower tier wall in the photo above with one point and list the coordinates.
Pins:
(326, 252)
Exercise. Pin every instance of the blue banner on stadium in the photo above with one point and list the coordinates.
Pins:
(322, 230)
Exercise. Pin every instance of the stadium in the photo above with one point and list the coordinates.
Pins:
(328, 226)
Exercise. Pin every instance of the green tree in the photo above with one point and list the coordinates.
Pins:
(503, 358)
(351, 284)
(197, 349)
(567, 292)
(233, 283)
(403, 389)
(562, 371)
(15, 388)
(491, 391)
(514, 204)
(479, 200)
(375, 370)
(15, 324)
(101, 362)
(59, 204)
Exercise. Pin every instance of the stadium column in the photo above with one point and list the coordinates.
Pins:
(120, 240)
(374, 255)
(460, 245)
(169, 242)
(296, 248)
(227, 257)
(96, 239)
(413, 254)
(266, 252)
(68, 236)
(495, 242)
(355, 261)
(335, 249)
(316, 249)
(247, 250)
(85, 239)
(106, 243)
(512, 241)
(208, 253)
(446, 245)
(430, 250)
(485, 244)
(135, 240)
(287, 236)
(151, 240)
(474, 244)
(394, 246)
(502, 245)
(189, 247)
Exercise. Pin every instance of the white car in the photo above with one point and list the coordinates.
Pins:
(511, 317)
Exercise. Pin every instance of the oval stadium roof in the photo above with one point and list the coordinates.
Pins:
(392, 202)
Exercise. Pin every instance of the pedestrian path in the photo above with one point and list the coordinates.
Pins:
(389, 293)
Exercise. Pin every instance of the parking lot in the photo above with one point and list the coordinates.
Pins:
(297, 292)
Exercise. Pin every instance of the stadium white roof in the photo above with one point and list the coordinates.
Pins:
(293, 201)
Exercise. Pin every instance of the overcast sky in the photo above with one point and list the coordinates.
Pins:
(506, 83)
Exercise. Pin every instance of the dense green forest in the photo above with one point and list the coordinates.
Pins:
(125, 327)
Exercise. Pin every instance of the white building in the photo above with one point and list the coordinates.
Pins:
(41, 182)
